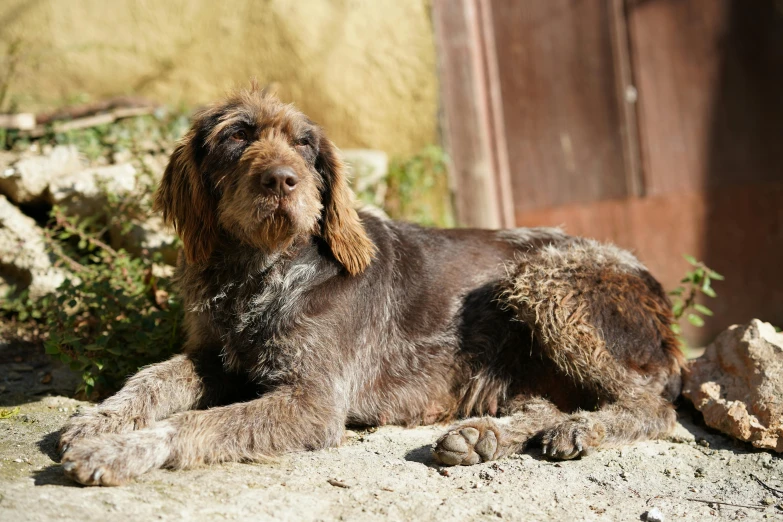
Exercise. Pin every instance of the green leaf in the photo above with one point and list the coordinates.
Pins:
(702, 309)
(676, 328)
(695, 320)
(709, 291)
(690, 259)
(715, 275)
(51, 348)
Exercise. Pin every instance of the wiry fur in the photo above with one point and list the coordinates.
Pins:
(304, 315)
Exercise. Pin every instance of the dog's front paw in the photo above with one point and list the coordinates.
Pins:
(112, 460)
(94, 462)
(96, 422)
(469, 443)
(576, 437)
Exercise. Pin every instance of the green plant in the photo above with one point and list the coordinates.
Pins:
(115, 316)
(7, 414)
(419, 188)
(698, 280)
(116, 313)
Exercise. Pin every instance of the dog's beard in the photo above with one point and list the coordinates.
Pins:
(275, 230)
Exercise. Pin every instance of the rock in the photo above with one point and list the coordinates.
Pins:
(152, 235)
(28, 179)
(738, 382)
(83, 193)
(369, 169)
(24, 261)
(21, 121)
(654, 515)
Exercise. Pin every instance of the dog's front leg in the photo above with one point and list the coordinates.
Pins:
(287, 419)
(154, 393)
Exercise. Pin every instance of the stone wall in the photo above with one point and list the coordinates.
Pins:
(365, 69)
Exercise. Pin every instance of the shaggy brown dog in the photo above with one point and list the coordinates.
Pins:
(304, 315)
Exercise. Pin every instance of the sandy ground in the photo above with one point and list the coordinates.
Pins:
(386, 474)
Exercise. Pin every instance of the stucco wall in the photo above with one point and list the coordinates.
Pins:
(365, 69)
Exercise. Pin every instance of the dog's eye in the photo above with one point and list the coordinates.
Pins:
(302, 142)
(239, 135)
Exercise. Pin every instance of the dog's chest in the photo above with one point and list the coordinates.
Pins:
(259, 321)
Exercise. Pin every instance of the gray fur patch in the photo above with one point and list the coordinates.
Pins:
(523, 236)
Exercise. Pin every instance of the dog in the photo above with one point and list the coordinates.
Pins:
(304, 315)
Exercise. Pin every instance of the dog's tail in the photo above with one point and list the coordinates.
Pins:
(599, 315)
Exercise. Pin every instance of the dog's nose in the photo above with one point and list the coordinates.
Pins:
(279, 180)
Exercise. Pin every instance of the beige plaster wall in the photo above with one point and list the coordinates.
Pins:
(365, 69)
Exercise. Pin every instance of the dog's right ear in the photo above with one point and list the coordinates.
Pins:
(187, 203)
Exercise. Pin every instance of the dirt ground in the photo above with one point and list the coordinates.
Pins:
(386, 474)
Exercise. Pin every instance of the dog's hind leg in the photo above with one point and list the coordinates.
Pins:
(622, 422)
(605, 322)
(482, 439)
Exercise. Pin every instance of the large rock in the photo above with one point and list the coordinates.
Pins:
(28, 180)
(59, 177)
(152, 236)
(738, 384)
(83, 193)
(24, 261)
(369, 169)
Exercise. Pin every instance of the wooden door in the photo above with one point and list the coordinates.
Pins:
(654, 124)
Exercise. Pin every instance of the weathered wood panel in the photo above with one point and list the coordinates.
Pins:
(709, 75)
(560, 105)
(705, 152)
(467, 123)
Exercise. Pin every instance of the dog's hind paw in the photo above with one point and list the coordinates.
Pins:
(577, 437)
(469, 443)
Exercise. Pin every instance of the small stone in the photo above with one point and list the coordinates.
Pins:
(703, 442)
(766, 460)
(338, 483)
(768, 501)
(699, 472)
(654, 515)
(486, 475)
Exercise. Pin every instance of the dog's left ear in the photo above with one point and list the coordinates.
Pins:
(340, 226)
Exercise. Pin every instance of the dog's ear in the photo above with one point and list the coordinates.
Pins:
(187, 204)
(340, 225)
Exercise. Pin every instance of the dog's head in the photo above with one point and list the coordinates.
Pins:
(258, 171)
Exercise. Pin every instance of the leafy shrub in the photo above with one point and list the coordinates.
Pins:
(419, 188)
(697, 281)
(114, 317)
